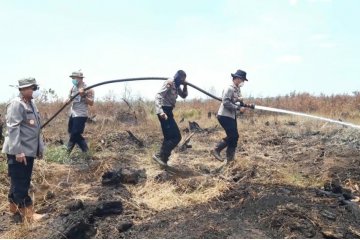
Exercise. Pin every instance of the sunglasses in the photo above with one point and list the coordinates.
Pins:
(35, 87)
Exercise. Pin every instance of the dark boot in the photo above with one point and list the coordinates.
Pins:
(230, 154)
(70, 146)
(162, 157)
(166, 149)
(217, 150)
(83, 146)
(159, 159)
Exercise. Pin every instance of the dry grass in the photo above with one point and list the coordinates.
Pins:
(161, 196)
(182, 191)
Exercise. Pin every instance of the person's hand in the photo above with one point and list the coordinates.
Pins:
(239, 105)
(184, 83)
(40, 155)
(21, 158)
(242, 110)
(163, 116)
(81, 92)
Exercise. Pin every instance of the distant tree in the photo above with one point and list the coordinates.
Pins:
(47, 95)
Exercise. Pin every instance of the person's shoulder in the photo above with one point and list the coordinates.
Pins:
(229, 87)
(16, 102)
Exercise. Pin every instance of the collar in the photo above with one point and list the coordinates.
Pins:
(24, 99)
(234, 86)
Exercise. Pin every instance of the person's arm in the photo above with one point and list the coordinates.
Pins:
(227, 99)
(183, 92)
(89, 97)
(14, 117)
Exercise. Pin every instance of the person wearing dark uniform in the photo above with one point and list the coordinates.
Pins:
(165, 101)
(231, 102)
(23, 143)
(79, 112)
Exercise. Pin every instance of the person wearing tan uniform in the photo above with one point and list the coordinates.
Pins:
(79, 112)
(23, 143)
(231, 103)
(165, 101)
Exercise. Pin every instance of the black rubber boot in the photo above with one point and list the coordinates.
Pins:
(83, 146)
(217, 150)
(159, 159)
(230, 154)
(70, 147)
(162, 157)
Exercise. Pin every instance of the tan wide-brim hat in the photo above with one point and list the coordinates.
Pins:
(27, 82)
(77, 74)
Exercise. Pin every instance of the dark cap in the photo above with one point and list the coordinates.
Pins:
(240, 74)
(180, 74)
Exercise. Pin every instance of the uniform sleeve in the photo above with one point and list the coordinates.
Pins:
(183, 92)
(161, 95)
(14, 117)
(227, 99)
(41, 145)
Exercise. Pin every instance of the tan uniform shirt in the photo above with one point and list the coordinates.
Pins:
(168, 94)
(79, 107)
(23, 129)
(230, 96)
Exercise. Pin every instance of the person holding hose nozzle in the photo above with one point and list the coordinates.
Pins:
(231, 102)
(23, 143)
(164, 103)
(79, 112)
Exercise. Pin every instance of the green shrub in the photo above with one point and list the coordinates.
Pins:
(191, 114)
(57, 154)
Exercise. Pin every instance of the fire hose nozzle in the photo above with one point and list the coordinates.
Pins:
(242, 104)
(252, 106)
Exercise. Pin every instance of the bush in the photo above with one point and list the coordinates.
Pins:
(56, 154)
(191, 114)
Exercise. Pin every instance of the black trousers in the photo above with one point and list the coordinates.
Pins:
(76, 127)
(230, 126)
(171, 133)
(20, 178)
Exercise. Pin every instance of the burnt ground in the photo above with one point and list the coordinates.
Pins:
(291, 179)
(255, 211)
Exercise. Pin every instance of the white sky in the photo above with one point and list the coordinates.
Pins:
(284, 45)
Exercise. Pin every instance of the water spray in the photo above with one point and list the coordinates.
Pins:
(277, 110)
